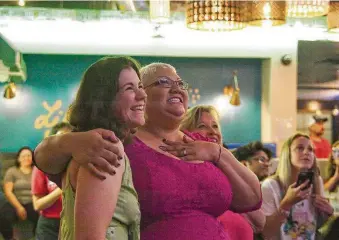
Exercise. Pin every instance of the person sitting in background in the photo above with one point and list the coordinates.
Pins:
(294, 211)
(322, 147)
(47, 197)
(256, 157)
(17, 189)
(204, 119)
(332, 180)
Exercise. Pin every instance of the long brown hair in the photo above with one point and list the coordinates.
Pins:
(94, 103)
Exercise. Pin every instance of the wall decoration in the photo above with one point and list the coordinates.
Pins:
(52, 81)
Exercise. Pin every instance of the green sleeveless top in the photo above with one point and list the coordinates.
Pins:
(125, 224)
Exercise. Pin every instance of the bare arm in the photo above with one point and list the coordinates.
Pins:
(95, 150)
(95, 203)
(273, 223)
(245, 184)
(53, 154)
(276, 215)
(256, 219)
(12, 199)
(41, 202)
(331, 183)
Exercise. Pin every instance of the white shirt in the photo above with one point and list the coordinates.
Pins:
(301, 224)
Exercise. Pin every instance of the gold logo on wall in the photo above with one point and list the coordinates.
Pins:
(53, 116)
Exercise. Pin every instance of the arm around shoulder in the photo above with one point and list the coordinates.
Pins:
(53, 154)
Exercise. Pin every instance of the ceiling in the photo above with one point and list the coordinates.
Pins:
(42, 30)
(126, 30)
(111, 26)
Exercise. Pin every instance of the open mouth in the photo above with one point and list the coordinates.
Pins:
(175, 100)
(138, 108)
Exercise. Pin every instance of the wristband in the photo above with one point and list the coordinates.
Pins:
(218, 160)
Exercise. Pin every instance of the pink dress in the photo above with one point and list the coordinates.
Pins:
(236, 226)
(178, 200)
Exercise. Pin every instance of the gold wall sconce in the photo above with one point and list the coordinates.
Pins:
(235, 98)
(10, 90)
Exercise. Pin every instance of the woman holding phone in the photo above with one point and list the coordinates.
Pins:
(295, 209)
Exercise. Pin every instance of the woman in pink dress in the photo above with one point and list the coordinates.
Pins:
(183, 184)
(205, 120)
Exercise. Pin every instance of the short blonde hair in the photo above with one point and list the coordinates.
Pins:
(193, 115)
(147, 72)
(284, 169)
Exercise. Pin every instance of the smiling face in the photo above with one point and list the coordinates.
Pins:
(130, 99)
(259, 164)
(208, 127)
(25, 158)
(163, 102)
(302, 153)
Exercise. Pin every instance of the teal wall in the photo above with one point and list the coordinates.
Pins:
(53, 79)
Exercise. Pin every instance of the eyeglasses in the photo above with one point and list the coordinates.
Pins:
(262, 160)
(166, 82)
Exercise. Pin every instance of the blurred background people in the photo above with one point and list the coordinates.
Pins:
(17, 189)
(256, 157)
(47, 197)
(322, 147)
(332, 178)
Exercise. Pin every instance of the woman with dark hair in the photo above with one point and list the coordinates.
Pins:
(111, 97)
(17, 189)
(182, 186)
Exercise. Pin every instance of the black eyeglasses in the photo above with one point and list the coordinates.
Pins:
(166, 82)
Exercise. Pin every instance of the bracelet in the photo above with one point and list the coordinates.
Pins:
(218, 160)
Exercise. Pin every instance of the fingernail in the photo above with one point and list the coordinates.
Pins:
(162, 148)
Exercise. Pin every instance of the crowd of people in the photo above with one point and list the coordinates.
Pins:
(134, 162)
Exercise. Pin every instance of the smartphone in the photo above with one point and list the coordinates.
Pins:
(303, 176)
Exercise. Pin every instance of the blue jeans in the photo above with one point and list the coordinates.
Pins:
(47, 228)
